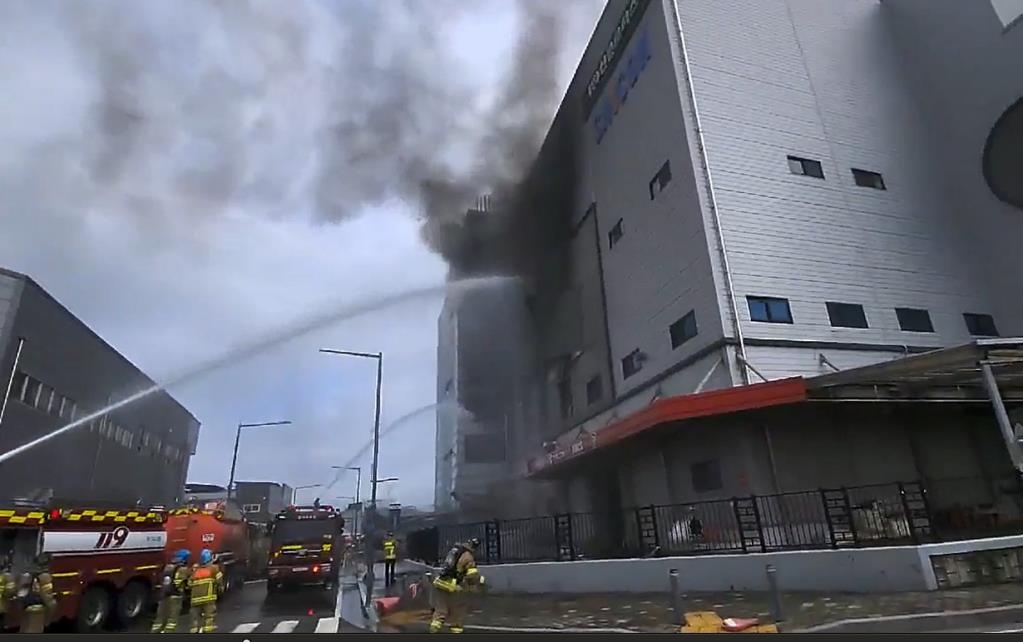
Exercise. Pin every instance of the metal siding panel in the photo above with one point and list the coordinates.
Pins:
(661, 268)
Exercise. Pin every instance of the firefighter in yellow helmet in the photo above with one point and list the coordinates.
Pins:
(172, 587)
(458, 574)
(205, 583)
(35, 593)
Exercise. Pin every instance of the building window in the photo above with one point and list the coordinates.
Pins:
(251, 508)
(31, 392)
(769, 309)
(806, 167)
(913, 320)
(683, 330)
(565, 397)
(631, 363)
(45, 398)
(706, 476)
(594, 390)
(865, 178)
(660, 180)
(980, 325)
(484, 449)
(847, 315)
(615, 234)
(18, 386)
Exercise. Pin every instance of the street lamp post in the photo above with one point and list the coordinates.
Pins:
(294, 491)
(370, 526)
(358, 494)
(237, 438)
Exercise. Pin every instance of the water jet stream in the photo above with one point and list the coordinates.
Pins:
(397, 423)
(298, 329)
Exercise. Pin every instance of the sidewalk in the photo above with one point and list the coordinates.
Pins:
(653, 613)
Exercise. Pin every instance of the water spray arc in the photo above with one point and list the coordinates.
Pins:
(294, 331)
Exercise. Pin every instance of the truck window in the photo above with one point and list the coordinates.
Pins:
(285, 531)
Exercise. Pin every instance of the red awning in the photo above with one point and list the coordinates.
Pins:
(662, 411)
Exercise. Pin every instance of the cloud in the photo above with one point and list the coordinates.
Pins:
(173, 172)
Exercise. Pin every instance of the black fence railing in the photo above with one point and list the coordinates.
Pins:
(877, 515)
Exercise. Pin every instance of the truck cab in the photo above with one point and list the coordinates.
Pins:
(305, 548)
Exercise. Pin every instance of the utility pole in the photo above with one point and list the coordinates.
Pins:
(369, 526)
(237, 438)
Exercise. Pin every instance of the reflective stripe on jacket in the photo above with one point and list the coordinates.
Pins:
(390, 549)
(204, 583)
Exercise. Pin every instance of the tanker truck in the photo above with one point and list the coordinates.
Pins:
(221, 527)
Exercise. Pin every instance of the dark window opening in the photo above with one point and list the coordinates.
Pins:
(980, 325)
(594, 390)
(484, 449)
(660, 180)
(631, 364)
(769, 309)
(683, 330)
(806, 167)
(865, 178)
(615, 234)
(706, 476)
(18, 385)
(565, 397)
(847, 315)
(913, 320)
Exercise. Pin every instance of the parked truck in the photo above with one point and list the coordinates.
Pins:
(105, 562)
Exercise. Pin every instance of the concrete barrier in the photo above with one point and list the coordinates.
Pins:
(861, 570)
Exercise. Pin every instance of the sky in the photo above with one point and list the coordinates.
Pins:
(187, 176)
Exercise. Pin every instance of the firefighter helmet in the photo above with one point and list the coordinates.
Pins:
(181, 556)
(206, 556)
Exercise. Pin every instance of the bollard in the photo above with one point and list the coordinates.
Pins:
(775, 594)
(429, 588)
(676, 596)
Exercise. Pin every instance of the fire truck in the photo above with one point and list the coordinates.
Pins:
(222, 528)
(105, 563)
(305, 548)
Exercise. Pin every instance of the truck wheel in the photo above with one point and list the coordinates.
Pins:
(93, 610)
(131, 603)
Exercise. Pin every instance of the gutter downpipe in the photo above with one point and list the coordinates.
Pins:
(701, 143)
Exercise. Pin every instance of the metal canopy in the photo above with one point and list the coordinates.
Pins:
(948, 374)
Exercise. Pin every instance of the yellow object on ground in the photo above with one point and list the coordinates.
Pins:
(711, 622)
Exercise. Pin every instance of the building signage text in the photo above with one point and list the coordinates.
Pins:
(612, 52)
(604, 113)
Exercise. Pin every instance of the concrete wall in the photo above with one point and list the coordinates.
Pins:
(90, 463)
(865, 570)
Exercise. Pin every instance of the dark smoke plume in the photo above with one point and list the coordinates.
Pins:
(197, 108)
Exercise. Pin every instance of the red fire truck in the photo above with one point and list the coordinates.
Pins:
(105, 563)
(305, 548)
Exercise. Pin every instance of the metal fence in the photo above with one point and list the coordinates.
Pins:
(877, 515)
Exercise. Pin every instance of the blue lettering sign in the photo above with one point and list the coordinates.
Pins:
(606, 108)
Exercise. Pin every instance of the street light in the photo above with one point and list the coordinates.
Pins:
(379, 356)
(358, 493)
(294, 491)
(237, 437)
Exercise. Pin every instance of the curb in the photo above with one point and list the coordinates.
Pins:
(923, 622)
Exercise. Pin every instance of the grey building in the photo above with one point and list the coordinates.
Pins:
(54, 370)
(261, 501)
(766, 194)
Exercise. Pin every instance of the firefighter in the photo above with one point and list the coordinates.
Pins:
(35, 594)
(390, 558)
(172, 588)
(205, 583)
(7, 587)
(458, 574)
